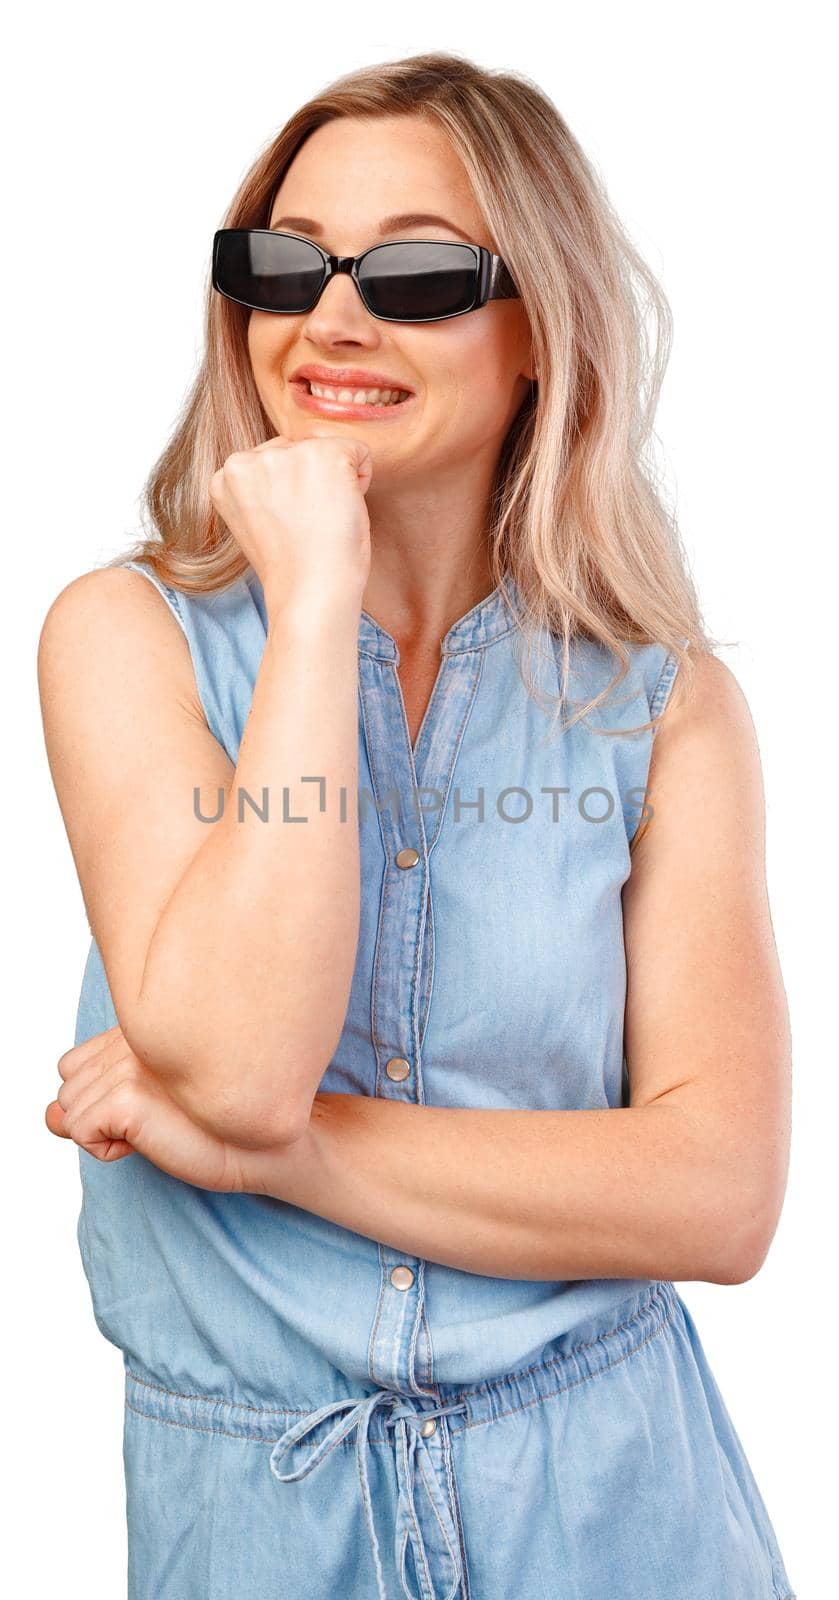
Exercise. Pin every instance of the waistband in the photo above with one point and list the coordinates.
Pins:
(592, 1347)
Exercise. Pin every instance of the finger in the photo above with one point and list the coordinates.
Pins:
(115, 1053)
(134, 1118)
(80, 1054)
(79, 1081)
(101, 1123)
(103, 1094)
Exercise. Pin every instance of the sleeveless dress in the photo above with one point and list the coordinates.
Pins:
(310, 1414)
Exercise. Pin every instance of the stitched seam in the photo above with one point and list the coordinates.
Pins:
(665, 679)
(402, 1446)
(373, 1364)
(455, 746)
(454, 650)
(195, 1427)
(173, 595)
(454, 1504)
(538, 1366)
(481, 1422)
(292, 1411)
(430, 1488)
(484, 644)
(217, 1400)
(273, 1411)
(564, 1387)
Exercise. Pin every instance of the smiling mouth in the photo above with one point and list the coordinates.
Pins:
(346, 395)
(346, 401)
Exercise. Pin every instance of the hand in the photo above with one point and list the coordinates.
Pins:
(111, 1105)
(297, 510)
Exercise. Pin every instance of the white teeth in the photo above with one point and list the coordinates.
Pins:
(360, 397)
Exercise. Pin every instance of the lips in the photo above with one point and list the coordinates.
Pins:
(347, 378)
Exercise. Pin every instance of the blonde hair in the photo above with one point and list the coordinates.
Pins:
(577, 518)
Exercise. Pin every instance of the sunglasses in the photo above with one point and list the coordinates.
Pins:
(412, 280)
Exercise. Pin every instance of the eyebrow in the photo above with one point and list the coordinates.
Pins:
(395, 224)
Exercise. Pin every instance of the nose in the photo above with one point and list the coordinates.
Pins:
(341, 299)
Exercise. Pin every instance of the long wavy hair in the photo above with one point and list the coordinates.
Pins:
(577, 516)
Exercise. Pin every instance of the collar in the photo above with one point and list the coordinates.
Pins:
(490, 619)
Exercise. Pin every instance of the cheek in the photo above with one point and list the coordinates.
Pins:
(254, 333)
(265, 343)
(477, 370)
(480, 396)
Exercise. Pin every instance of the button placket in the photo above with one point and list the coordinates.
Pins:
(399, 943)
(399, 1351)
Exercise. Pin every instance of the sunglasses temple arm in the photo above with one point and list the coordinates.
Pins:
(501, 285)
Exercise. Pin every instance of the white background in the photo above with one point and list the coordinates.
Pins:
(124, 136)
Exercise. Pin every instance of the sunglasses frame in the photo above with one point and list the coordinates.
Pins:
(493, 280)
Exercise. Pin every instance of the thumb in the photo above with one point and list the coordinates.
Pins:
(54, 1119)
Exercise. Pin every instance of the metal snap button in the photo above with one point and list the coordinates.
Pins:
(407, 857)
(402, 1277)
(398, 1068)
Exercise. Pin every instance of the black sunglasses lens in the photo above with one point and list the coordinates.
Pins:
(267, 271)
(420, 280)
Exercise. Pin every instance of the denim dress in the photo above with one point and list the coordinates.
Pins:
(310, 1414)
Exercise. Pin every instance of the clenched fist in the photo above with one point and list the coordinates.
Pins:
(297, 510)
(111, 1105)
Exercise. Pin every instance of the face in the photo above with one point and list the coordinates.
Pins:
(468, 375)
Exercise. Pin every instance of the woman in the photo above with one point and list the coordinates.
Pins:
(422, 1042)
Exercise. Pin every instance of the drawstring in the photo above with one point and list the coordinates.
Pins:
(358, 1416)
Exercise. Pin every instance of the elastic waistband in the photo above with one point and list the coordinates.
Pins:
(592, 1347)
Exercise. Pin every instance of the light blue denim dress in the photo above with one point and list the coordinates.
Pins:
(311, 1415)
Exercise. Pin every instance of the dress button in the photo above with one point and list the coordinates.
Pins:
(398, 1068)
(407, 857)
(428, 1428)
(402, 1277)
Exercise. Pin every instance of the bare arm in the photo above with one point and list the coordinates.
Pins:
(229, 947)
(688, 1180)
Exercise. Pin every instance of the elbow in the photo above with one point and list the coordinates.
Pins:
(250, 1119)
(744, 1244)
(734, 1268)
(251, 1107)
(249, 1113)
(748, 1184)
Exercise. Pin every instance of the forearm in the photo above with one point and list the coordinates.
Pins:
(646, 1191)
(248, 971)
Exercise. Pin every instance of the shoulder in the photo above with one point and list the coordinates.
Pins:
(705, 756)
(706, 708)
(101, 595)
(107, 625)
(104, 588)
(711, 682)
(109, 605)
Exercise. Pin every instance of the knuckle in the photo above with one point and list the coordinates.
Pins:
(65, 1063)
(123, 1096)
